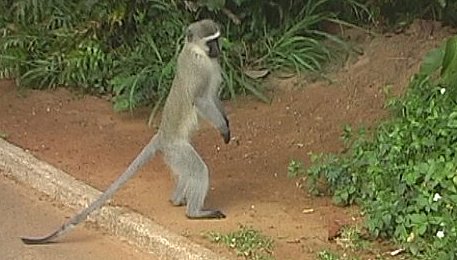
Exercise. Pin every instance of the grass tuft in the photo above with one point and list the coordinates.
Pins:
(247, 242)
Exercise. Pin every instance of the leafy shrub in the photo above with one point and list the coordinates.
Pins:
(247, 242)
(104, 47)
(405, 176)
(128, 49)
(404, 11)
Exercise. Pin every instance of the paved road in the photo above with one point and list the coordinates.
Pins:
(23, 212)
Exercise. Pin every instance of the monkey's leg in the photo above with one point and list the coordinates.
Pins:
(193, 181)
(178, 198)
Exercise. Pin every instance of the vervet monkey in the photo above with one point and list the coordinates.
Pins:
(194, 93)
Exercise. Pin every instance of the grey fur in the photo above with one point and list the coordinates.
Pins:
(194, 93)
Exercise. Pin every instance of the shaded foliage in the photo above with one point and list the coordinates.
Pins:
(127, 49)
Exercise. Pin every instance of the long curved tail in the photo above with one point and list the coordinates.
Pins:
(145, 155)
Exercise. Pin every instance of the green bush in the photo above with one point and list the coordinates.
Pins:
(128, 49)
(104, 47)
(404, 11)
(405, 175)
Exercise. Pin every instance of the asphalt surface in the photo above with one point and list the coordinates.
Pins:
(26, 212)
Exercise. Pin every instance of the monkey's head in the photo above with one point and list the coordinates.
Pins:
(205, 34)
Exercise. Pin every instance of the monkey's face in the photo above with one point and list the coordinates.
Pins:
(206, 34)
(213, 48)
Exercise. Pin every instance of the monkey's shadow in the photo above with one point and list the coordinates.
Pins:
(229, 194)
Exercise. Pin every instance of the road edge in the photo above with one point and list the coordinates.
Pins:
(132, 227)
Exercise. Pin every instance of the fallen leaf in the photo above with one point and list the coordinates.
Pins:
(397, 252)
(256, 74)
(307, 211)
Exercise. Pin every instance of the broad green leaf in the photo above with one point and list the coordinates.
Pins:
(418, 218)
(214, 4)
(422, 229)
(452, 123)
(450, 58)
(432, 61)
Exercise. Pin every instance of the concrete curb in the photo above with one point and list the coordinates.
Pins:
(133, 227)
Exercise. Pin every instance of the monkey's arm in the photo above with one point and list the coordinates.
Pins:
(214, 112)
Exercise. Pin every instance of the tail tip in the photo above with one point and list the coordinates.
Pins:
(34, 241)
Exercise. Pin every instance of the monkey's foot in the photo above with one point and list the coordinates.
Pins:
(206, 214)
(178, 203)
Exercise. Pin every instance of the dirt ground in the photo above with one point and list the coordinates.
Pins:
(84, 137)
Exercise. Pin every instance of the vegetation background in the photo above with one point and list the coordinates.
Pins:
(403, 175)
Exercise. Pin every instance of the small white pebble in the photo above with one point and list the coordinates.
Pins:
(307, 211)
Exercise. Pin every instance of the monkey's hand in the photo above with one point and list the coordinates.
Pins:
(216, 115)
(226, 131)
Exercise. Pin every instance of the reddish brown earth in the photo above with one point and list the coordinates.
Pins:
(84, 137)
